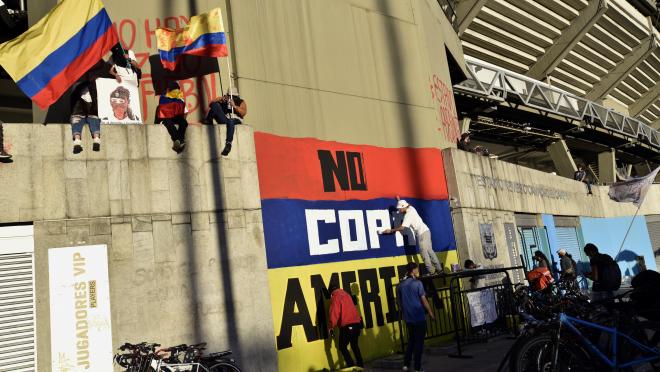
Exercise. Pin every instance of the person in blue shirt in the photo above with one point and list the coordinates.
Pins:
(414, 306)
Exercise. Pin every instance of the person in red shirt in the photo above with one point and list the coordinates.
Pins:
(344, 314)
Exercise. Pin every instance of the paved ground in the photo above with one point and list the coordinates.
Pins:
(486, 357)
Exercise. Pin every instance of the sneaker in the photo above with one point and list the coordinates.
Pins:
(4, 154)
(97, 144)
(176, 146)
(183, 145)
(77, 146)
(405, 368)
(227, 149)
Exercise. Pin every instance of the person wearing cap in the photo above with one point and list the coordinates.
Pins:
(567, 265)
(413, 221)
(344, 314)
(84, 109)
(120, 101)
(412, 302)
(229, 110)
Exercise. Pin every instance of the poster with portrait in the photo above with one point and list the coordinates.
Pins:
(119, 103)
(488, 240)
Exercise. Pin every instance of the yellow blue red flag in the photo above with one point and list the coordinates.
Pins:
(54, 53)
(203, 36)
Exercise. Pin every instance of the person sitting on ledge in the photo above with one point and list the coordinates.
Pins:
(171, 111)
(3, 154)
(84, 109)
(230, 110)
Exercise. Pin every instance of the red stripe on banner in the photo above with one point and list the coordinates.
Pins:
(209, 50)
(71, 73)
(290, 168)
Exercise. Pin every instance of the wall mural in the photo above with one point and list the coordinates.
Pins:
(323, 203)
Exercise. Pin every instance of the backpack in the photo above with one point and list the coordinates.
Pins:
(610, 277)
(540, 278)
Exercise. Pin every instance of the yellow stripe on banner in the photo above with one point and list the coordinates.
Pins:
(22, 54)
(297, 316)
(199, 25)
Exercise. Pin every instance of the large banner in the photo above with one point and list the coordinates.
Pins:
(80, 322)
(323, 204)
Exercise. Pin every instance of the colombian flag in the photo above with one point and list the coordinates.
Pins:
(204, 36)
(171, 104)
(49, 57)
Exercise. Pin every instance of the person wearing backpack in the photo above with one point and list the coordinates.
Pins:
(605, 273)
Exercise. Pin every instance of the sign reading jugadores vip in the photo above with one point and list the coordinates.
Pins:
(80, 322)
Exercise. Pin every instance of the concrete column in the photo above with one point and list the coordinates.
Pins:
(607, 166)
(561, 156)
(465, 125)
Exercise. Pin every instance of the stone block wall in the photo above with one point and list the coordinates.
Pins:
(184, 233)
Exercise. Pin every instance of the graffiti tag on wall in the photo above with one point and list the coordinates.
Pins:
(443, 99)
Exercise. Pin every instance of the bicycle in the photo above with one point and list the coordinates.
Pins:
(145, 357)
(588, 345)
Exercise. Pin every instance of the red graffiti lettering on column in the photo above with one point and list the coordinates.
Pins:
(171, 22)
(443, 98)
(185, 20)
(150, 34)
(145, 84)
(188, 87)
(132, 33)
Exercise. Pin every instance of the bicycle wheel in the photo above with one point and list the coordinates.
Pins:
(536, 355)
(224, 367)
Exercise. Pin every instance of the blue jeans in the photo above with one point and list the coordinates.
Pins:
(216, 112)
(78, 121)
(416, 334)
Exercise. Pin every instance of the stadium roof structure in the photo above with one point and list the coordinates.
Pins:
(584, 71)
(597, 49)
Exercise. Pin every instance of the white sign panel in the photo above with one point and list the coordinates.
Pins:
(119, 103)
(80, 327)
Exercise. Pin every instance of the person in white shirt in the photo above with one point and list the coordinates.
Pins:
(413, 221)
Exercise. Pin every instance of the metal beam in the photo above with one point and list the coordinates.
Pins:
(623, 68)
(466, 11)
(569, 37)
(643, 102)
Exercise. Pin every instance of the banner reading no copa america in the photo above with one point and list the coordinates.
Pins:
(80, 327)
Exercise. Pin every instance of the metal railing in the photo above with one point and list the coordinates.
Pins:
(452, 311)
(499, 84)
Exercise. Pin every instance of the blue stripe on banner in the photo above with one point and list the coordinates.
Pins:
(164, 100)
(40, 76)
(205, 39)
(303, 232)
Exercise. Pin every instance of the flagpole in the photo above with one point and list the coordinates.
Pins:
(627, 232)
(231, 93)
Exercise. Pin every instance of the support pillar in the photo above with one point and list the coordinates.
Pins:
(561, 156)
(607, 166)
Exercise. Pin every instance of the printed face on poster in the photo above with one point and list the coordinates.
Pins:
(80, 322)
(488, 240)
(119, 103)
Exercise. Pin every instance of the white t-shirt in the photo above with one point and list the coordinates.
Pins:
(413, 221)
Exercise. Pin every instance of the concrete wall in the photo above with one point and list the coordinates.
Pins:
(486, 190)
(356, 71)
(184, 232)
(482, 183)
